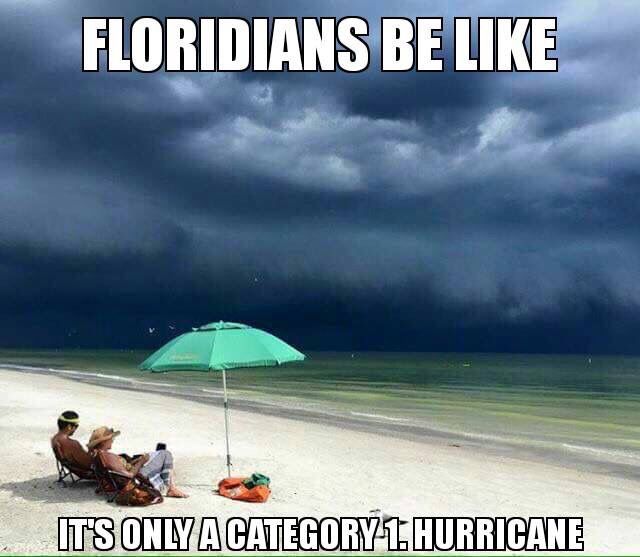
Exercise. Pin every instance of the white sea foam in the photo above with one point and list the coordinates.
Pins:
(79, 373)
(601, 452)
(213, 391)
(93, 374)
(379, 417)
(153, 383)
(15, 366)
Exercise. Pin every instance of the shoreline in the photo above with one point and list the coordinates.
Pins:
(400, 430)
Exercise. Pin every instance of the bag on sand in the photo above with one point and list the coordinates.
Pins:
(138, 494)
(256, 479)
(235, 488)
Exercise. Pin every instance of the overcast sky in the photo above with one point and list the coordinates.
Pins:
(395, 211)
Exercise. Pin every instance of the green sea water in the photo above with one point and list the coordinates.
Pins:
(575, 404)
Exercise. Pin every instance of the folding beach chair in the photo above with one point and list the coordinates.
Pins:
(109, 482)
(67, 469)
(138, 490)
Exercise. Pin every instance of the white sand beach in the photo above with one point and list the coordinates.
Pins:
(316, 470)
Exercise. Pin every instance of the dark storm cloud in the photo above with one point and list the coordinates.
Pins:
(474, 211)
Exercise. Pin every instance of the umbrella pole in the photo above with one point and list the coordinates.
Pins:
(226, 420)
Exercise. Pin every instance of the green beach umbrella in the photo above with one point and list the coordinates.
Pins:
(218, 347)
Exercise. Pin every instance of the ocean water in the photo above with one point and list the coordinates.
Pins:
(575, 405)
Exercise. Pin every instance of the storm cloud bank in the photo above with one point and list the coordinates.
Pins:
(452, 211)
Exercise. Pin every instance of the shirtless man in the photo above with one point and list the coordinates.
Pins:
(69, 449)
(156, 466)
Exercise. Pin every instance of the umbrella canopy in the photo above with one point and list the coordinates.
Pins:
(220, 346)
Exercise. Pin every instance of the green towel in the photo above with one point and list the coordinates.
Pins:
(256, 479)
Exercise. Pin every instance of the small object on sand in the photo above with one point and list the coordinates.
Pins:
(384, 518)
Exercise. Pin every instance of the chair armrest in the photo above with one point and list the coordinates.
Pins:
(120, 474)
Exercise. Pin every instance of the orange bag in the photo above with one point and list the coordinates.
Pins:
(233, 488)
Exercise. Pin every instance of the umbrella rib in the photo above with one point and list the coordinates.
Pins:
(257, 339)
(213, 343)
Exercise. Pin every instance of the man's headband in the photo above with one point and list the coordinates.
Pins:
(75, 421)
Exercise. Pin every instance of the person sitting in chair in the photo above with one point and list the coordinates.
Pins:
(69, 451)
(156, 466)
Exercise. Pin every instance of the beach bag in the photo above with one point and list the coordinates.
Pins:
(235, 488)
(138, 494)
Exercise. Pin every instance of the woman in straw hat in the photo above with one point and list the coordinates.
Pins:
(156, 466)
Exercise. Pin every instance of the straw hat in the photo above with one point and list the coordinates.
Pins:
(101, 434)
